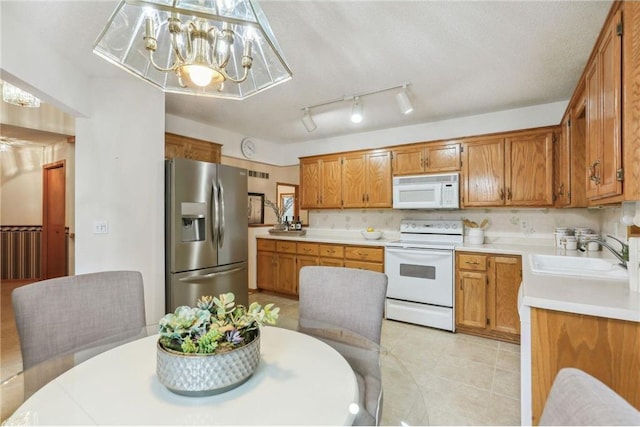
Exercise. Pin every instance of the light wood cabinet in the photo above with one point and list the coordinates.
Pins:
(608, 349)
(321, 182)
(487, 295)
(191, 148)
(569, 157)
(604, 119)
(279, 261)
(434, 157)
(516, 170)
(366, 180)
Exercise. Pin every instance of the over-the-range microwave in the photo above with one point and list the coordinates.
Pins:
(438, 191)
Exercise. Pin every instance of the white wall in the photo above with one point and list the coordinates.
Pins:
(21, 186)
(120, 180)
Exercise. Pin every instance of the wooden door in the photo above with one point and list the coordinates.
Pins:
(309, 184)
(505, 276)
(354, 181)
(330, 182)
(408, 160)
(287, 281)
(378, 180)
(54, 242)
(483, 176)
(610, 66)
(472, 297)
(442, 158)
(266, 270)
(529, 170)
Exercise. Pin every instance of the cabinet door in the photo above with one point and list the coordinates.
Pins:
(562, 161)
(174, 148)
(483, 175)
(266, 270)
(592, 81)
(529, 170)
(309, 184)
(442, 158)
(287, 271)
(331, 182)
(303, 261)
(204, 151)
(472, 297)
(505, 276)
(354, 181)
(378, 180)
(408, 160)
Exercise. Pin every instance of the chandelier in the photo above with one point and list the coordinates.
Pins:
(19, 97)
(218, 48)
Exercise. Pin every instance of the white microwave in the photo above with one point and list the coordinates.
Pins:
(440, 191)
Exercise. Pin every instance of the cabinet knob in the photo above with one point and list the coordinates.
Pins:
(472, 262)
(509, 193)
(593, 176)
(501, 194)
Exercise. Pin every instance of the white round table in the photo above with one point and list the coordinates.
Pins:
(300, 381)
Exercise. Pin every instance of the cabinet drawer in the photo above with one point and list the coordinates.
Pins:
(286, 247)
(307, 248)
(266, 245)
(332, 251)
(372, 266)
(364, 253)
(472, 262)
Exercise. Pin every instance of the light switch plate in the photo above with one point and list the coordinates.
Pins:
(100, 227)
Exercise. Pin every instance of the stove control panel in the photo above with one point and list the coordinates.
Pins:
(432, 226)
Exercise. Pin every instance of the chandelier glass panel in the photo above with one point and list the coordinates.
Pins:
(218, 48)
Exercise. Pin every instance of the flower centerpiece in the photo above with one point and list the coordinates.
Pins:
(212, 347)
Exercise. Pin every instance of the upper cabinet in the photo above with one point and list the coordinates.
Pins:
(366, 180)
(191, 148)
(353, 180)
(603, 88)
(433, 157)
(321, 182)
(514, 170)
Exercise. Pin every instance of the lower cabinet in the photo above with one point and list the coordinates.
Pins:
(608, 349)
(487, 295)
(279, 261)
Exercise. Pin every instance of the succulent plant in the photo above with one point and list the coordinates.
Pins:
(215, 325)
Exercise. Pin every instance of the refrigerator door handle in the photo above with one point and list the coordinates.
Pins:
(221, 228)
(214, 213)
(210, 275)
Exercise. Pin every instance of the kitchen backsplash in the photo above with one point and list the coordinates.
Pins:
(503, 222)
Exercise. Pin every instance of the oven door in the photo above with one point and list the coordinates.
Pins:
(420, 275)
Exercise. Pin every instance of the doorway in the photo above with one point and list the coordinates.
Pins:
(54, 238)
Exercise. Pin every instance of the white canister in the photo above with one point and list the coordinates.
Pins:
(475, 236)
(591, 246)
(570, 243)
(558, 237)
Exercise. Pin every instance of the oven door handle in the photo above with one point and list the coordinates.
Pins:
(419, 251)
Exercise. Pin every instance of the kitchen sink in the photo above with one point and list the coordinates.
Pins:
(596, 268)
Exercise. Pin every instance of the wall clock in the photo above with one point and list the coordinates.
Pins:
(248, 148)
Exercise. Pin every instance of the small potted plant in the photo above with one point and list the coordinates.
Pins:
(279, 211)
(213, 347)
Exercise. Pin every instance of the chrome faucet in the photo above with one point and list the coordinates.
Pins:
(622, 255)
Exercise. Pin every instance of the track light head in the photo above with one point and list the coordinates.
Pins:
(356, 112)
(403, 101)
(307, 121)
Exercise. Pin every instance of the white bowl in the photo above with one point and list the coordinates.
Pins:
(372, 235)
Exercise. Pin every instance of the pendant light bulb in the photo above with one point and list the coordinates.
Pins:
(356, 112)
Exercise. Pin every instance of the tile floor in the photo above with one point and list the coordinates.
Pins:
(464, 380)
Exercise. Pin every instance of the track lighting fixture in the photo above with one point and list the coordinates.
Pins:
(403, 101)
(356, 110)
(307, 120)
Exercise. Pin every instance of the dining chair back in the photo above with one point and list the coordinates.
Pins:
(347, 297)
(578, 399)
(350, 299)
(61, 315)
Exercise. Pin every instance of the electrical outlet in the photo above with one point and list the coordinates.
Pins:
(524, 225)
(100, 227)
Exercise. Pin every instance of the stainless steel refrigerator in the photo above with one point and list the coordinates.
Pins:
(206, 232)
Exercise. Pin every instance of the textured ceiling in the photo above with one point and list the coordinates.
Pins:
(461, 58)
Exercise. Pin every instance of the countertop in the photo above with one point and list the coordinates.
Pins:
(595, 297)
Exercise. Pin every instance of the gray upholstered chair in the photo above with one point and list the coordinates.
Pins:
(59, 316)
(578, 399)
(349, 299)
